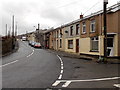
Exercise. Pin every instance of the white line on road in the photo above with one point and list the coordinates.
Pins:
(117, 85)
(9, 63)
(61, 73)
(66, 84)
(56, 83)
(31, 53)
(90, 80)
(60, 76)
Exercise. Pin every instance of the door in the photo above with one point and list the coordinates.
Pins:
(110, 46)
(57, 44)
(77, 45)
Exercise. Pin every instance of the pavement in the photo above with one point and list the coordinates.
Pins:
(86, 73)
(91, 58)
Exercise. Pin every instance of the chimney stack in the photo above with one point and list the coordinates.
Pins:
(81, 16)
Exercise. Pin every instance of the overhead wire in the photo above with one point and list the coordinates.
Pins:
(92, 7)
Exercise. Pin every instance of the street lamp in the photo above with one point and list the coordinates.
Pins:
(105, 29)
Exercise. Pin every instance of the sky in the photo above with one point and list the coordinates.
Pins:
(48, 13)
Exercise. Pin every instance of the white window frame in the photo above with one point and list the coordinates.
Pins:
(92, 29)
(83, 26)
(95, 39)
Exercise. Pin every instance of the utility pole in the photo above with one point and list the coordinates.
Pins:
(16, 29)
(6, 30)
(13, 38)
(38, 26)
(105, 29)
(13, 26)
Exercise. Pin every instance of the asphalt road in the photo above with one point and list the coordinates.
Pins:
(39, 68)
(34, 68)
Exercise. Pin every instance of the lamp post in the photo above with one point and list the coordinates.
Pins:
(105, 29)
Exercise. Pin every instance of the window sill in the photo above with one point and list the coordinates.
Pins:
(94, 51)
(83, 33)
(92, 32)
(70, 48)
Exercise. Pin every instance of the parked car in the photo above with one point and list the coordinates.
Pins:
(37, 45)
(29, 42)
(33, 43)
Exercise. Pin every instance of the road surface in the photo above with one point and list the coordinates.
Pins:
(39, 68)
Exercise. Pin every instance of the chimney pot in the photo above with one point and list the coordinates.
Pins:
(81, 16)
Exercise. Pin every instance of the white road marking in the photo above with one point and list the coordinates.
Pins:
(90, 80)
(31, 53)
(60, 77)
(16, 60)
(61, 67)
(9, 63)
(56, 83)
(61, 72)
(117, 85)
(66, 84)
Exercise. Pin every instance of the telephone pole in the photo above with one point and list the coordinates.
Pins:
(13, 25)
(6, 30)
(105, 29)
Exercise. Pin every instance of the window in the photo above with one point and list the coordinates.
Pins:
(94, 44)
(57, 34)
(60, 35)
(70, 44)
(60, 43)
(54, 34)
(92, 26)
(71, 31)
(77, 29)
(84, 28)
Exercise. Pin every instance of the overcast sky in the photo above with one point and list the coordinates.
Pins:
(49, 13)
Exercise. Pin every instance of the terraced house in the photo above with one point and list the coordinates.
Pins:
(85, 35)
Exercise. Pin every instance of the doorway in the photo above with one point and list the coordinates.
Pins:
(77, 45)
(110, 46)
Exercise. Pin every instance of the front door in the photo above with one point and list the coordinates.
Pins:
(77, 45)
(110, 46)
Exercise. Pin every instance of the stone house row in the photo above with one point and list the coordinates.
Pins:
(86, 35)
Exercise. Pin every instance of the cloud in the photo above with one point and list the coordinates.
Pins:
(49, 13)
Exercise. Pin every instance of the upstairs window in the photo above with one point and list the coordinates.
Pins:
(57, 34)
(77, 29)
(84, 28)
(92, 26)
(71, 31)
(60, 35)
